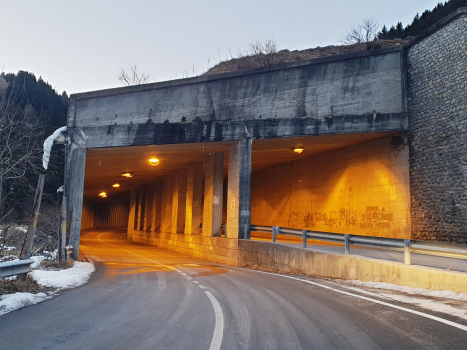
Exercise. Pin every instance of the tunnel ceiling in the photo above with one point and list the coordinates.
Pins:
(104, 166)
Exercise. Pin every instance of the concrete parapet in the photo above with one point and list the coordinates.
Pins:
(216, 249)
(281, 258)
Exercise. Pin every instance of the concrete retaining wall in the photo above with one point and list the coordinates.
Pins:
(216, 249)
(281, 258)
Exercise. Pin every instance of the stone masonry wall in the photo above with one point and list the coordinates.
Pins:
(437, 106)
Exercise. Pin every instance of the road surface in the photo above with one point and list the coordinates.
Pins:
(142, 297)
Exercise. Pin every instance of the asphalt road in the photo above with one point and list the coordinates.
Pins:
(141, 297)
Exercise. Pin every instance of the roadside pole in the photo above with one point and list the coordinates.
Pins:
(27, 246)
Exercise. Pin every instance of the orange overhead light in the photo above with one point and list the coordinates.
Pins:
(116, 185)
(103, 194)
(298, 150)
(154, 161)
(127, 174)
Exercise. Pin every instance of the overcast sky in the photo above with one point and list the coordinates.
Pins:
(80, 45)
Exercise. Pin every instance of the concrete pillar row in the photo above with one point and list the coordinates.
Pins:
(239, 190)
(213, 194)
(194, 198)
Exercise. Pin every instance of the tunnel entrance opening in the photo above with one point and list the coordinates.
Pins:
(340, 183)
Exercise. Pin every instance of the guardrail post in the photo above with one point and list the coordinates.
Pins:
(275, 231)
(347, 243)
(407, 251)
(304, 238)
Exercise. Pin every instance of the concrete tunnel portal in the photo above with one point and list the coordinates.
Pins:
(225, 149)
(136, 204)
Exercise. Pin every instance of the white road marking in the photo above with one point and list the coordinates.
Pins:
(435, 318)
(189, 277)
(201, 286)
(219, 327)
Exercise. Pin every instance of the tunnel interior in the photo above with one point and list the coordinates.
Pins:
(352, 183)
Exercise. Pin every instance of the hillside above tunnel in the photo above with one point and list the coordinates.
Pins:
(286, 56)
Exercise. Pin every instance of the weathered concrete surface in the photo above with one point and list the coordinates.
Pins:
(362, 189)
(353, 93)
(282, 258)
(216, 249)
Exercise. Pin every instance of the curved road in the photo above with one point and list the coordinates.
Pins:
(142, 297)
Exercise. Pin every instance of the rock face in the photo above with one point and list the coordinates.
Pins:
(437, 106)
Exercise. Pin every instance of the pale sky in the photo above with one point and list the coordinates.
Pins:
(80, 46)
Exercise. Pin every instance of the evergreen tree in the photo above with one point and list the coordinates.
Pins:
(423, 22)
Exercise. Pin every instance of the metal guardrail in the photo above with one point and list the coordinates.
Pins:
(17, 267)
(421, 247)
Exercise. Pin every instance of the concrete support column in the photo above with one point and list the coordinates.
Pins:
(149, 192)
(239, 190)
(213, 192)
(74, 184)
(194, 198)
(156, 207)
(166, 215)
(179, 201)
(141, 197)
(131, 214)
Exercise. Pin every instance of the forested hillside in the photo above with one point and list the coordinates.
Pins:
(421, 23)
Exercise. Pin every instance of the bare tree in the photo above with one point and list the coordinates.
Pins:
(260, 54)
(363, 33)
(132, 77)
(21, 132)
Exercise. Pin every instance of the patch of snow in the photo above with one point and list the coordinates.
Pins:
(22, 229)
(37, 260)
(446, 294)
(48, 143)
(68, 278)
(10, 302)
(432, 305)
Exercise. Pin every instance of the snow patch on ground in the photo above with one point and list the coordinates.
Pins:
(443, 301)
(37, 261)
(69, 278)
(445, 294)
(10, 302)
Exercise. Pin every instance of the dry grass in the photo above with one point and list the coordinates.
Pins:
(285, 56)
(27, 285)
(54, 265)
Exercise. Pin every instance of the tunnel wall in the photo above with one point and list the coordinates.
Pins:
(437, 105)
(362, 189)
(104, 214)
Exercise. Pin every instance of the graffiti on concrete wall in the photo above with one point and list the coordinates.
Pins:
(372, 218)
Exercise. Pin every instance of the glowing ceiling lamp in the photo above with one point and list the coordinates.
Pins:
(103, 194)
(127, 174)
(116, 185)
(154, 161)
(298, 150)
